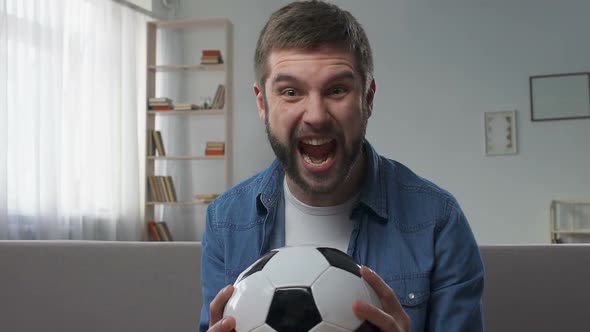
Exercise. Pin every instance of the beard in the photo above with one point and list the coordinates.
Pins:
(287, 155)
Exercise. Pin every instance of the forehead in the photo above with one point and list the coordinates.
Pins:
(303, 62)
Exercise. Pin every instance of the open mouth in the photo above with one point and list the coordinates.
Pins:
(318, 152)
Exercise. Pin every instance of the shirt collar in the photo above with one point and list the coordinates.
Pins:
(271, 186)
(374, 190)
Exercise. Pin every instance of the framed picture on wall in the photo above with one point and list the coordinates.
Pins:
(500, 133)
(560, 96)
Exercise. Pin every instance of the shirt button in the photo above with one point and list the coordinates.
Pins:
(411, 296)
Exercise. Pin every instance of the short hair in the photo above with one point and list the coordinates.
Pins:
(309, 25)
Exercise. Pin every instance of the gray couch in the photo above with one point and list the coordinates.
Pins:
(67, 286)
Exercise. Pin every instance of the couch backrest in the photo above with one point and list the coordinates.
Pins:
(537, 288)
(67, 286)
(92, 286)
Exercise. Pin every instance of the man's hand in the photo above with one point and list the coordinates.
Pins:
(216, 323)
(392, 318)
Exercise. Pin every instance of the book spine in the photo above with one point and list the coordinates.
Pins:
(150, 143)
(215, 53)
(161, 108)
(153, 231)
(214, 153)
(160, 197)
(153, 191)
(157, 135)
(173, 190)
(161, 232)
(166, 230)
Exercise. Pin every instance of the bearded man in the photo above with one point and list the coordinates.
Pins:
(328, 187)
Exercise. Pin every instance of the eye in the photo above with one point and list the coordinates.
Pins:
(339, 90)
(289, 92)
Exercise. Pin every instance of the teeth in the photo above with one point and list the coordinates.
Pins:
(316, 141)
(309, 161)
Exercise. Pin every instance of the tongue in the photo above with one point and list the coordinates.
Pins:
(317, 152)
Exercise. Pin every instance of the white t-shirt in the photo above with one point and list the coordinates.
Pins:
(329, 226)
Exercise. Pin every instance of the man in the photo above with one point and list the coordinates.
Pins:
(314, 90)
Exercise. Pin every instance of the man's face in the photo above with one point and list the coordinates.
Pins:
(316, 115)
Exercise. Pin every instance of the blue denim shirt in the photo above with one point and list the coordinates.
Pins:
(408, 230)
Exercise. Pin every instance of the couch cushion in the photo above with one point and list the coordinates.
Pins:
(536, 287)
(97, 286)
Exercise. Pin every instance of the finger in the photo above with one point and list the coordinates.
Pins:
(218, 304)
(227, 324)
(376, 316)
(388, 299)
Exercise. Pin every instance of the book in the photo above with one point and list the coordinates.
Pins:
(157, 136)
(161, 108)
(166, 230)
(214, 153)
(161, 104)
(214, 148)
(184, 107)
(210, 62)
(159, 100)
(153, 231)
(216, 53)
(153, 190)
(216, 96)
(215, 145)
(161, 232)
(219, 98)
(206, 198)
(151, 148)
(211, 57)
(159, 191)
(170, 188)
(165, 195)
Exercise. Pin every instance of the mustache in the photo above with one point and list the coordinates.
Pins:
(307, 131)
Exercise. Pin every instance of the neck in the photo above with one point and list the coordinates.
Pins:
(351, 185)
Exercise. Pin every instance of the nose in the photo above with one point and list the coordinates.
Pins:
(316, 114)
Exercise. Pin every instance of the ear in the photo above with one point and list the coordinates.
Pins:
(260, 102)
(371, 96)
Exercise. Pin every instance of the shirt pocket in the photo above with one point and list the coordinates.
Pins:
(413, 293)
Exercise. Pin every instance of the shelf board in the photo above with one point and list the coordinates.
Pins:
(185, 157)
(575, 231)
(193, 112)
(191, 203)
(193, 67)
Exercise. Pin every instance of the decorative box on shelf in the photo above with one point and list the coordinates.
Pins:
(570, 221)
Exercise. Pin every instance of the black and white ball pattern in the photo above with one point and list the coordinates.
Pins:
(300, 289)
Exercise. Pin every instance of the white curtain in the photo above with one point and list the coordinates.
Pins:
(72, 97)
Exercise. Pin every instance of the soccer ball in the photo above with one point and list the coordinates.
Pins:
(299, 289)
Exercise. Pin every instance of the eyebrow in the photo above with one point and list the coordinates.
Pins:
(343, 75)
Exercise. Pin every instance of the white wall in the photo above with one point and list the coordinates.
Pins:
(145, 4)
(439, 65)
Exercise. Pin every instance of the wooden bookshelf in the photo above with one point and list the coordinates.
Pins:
(187, 73)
